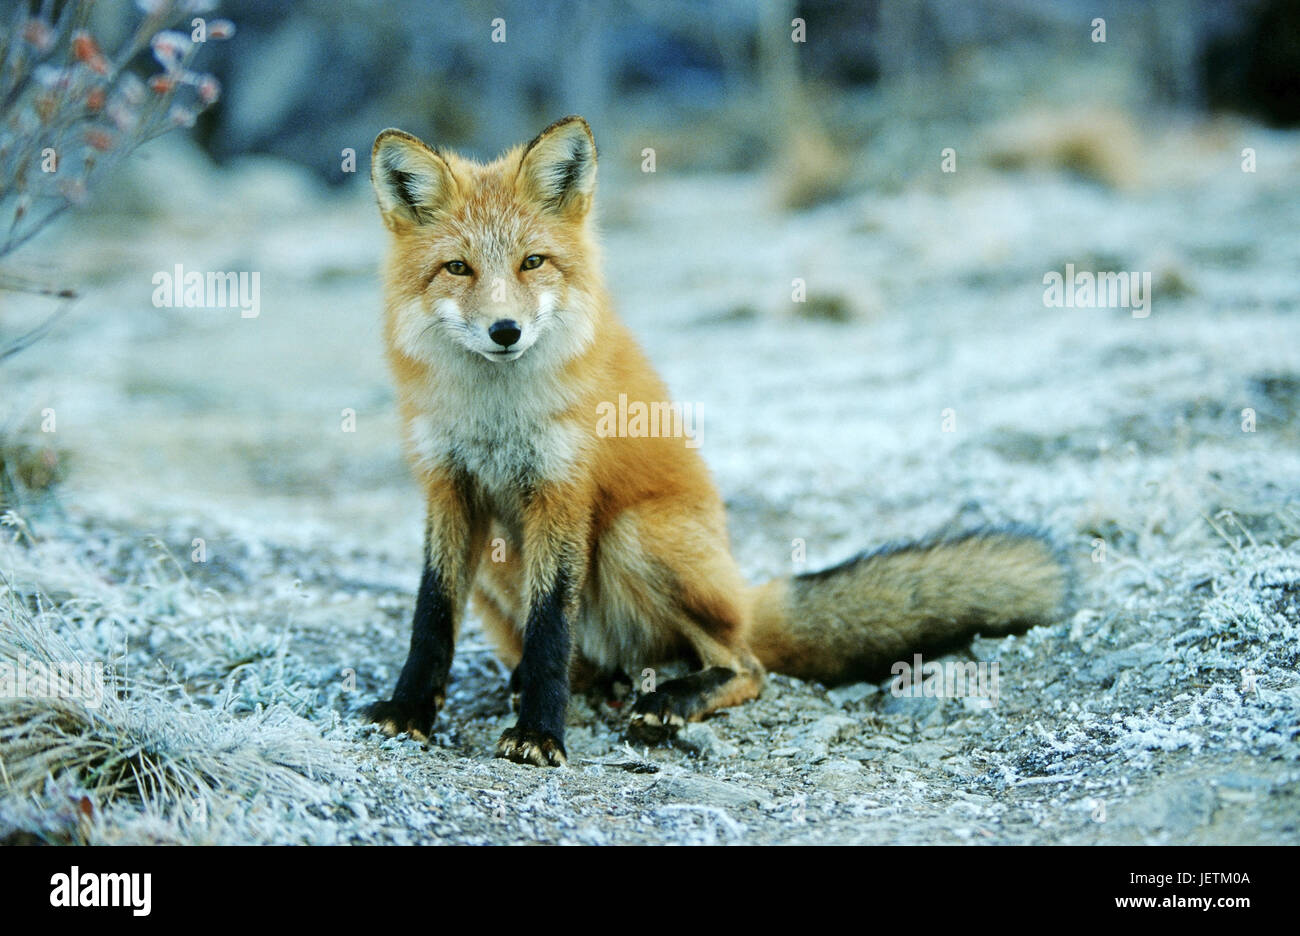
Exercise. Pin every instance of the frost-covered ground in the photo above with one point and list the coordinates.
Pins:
(1165, 710)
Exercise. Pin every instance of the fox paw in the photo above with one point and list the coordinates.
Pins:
(530, 746)
(394, 717)
(656, 718)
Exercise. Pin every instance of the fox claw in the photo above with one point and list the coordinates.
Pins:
(394, 717)
(529, 746)
(654, 720)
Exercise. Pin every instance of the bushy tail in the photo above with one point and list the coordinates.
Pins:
(854, 621)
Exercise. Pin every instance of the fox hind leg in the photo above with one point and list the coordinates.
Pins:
(673, 567)
(729, 675)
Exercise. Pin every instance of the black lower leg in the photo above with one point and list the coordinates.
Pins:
(422, 685)
(542, 681)
(424, 676)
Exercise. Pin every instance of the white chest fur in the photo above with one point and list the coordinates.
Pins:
(504, 424)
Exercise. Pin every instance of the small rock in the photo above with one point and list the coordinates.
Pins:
(1241, 781)
(852, 693)
(830, 728)
(884, 742)
(915, 707)
(837, 775)
(1105, 670)
(708, 792)
(704, 741)
(1241, 788)
(1177, 808)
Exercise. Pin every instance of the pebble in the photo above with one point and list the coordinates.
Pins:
(852, 693)
(837, 775)
(704, 741)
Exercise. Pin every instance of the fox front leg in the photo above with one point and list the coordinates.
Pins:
(553, 537)
(452, 546)
(542, 682)
(422, 686)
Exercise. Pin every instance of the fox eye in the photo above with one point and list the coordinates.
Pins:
(532, 262)
(458, 268)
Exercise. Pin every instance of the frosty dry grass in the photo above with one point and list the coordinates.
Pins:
(138, 746)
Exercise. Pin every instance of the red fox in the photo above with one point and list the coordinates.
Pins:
(588, 553)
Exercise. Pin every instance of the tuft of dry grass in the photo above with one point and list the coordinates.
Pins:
(27, 469)
(1099, 144)
(137, 747)
(811, 169)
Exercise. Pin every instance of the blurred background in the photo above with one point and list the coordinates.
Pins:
(721, 85)
(916, 165)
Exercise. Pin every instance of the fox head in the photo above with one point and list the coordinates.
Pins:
(490, 261)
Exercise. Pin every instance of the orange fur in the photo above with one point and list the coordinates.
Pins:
(507, 443)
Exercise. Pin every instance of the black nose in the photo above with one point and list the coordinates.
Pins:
(504, 332)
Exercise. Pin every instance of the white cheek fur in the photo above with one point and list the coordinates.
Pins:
(426, 338)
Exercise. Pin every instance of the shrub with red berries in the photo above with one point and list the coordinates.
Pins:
(70, 107)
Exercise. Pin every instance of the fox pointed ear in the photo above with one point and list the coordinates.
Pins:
(558, 169)
(412, 181)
